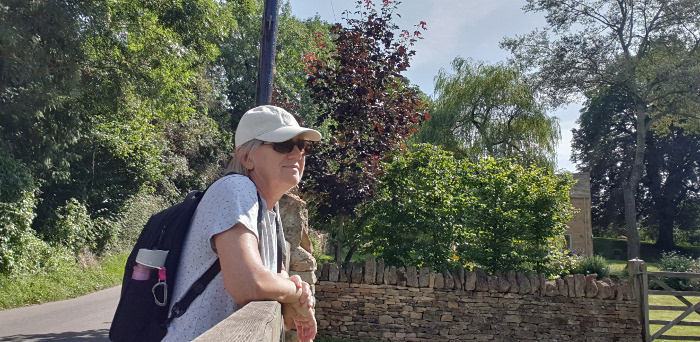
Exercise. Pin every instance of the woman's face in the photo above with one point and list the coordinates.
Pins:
(277, 170)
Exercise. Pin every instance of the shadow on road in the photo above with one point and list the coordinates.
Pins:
(82, 336)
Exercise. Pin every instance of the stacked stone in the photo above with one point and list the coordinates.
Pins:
(375, 272)
(294, 217)
(417, 304)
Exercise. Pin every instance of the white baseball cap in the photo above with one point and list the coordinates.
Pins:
(272, 124)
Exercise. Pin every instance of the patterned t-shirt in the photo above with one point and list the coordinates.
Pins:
(229, 200)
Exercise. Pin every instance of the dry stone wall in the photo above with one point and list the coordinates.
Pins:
(375, 301)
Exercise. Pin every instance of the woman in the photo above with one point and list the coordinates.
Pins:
(237, 222)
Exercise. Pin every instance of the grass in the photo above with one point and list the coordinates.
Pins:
(356, 257)
(67, 282)
(320, 258)
(617, 267)
(670, 315)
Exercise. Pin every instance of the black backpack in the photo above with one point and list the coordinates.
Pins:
(142, 312)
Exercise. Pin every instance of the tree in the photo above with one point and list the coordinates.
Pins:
(144, 71)
(417, 215)
(668, 189)
(602, 147)
(434, 210)
(41, 54)
(369, 107)
(240, 57)
(87, 89)
(488, 110)
(647, 49)
(674, 187)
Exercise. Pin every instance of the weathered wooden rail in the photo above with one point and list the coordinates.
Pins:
(255, 322)
(638, 271)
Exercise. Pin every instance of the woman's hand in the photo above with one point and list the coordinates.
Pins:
(307, 298)
(305, 319)
(290, 310)
(301, 314)
(306, 327)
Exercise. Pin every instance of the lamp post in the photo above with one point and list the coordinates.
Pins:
(268, 41)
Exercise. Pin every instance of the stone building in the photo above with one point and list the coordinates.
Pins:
(579, 236)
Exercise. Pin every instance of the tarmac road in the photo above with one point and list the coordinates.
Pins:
(82, 319)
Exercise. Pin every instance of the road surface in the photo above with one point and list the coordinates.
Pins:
(82, 319)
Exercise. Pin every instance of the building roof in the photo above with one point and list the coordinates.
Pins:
(582, 188)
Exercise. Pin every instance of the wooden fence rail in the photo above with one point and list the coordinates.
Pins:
(255, 322)
(638, 271)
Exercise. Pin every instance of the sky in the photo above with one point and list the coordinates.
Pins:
(464, 28)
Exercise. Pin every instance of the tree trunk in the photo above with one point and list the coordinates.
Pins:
(348, 257)
(669, 201)
(630, 191)
(664, 189)
(632, 183)
(666, 223)
(338, 249)
(339, 238)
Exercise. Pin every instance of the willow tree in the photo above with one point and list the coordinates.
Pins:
(488, 110)
(647, 49)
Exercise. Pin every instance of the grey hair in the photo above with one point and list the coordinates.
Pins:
(235, 164)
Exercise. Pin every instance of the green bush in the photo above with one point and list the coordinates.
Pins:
(72, 228)
(416, 216)
(15, 178)
(15, 223)
(560, 262)
(592, 265)
(674, 262)
(434, 210)
(617, 254)
(318, 242)
(37, 256)
(134, 215)
(689, 237)
(21, 251)
(514, 214)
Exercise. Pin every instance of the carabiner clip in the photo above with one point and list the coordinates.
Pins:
(165, 293)
(161, 282)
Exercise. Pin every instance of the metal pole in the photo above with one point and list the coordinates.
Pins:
(268, 42)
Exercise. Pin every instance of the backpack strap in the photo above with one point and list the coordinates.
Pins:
(201, 284)
(281, 242)
(195, 290)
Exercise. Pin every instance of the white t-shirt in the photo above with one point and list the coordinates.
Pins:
(229, 200)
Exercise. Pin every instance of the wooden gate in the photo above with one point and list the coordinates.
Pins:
(638, 271)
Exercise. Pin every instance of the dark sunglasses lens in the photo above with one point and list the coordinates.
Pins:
(283, 147)
(304, 146)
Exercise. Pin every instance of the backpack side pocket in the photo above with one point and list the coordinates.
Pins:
(136, 319)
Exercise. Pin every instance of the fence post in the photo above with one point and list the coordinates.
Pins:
(638, 273)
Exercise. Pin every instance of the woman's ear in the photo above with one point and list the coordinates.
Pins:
(247, 161)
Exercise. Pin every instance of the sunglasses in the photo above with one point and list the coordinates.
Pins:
(305, 146)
